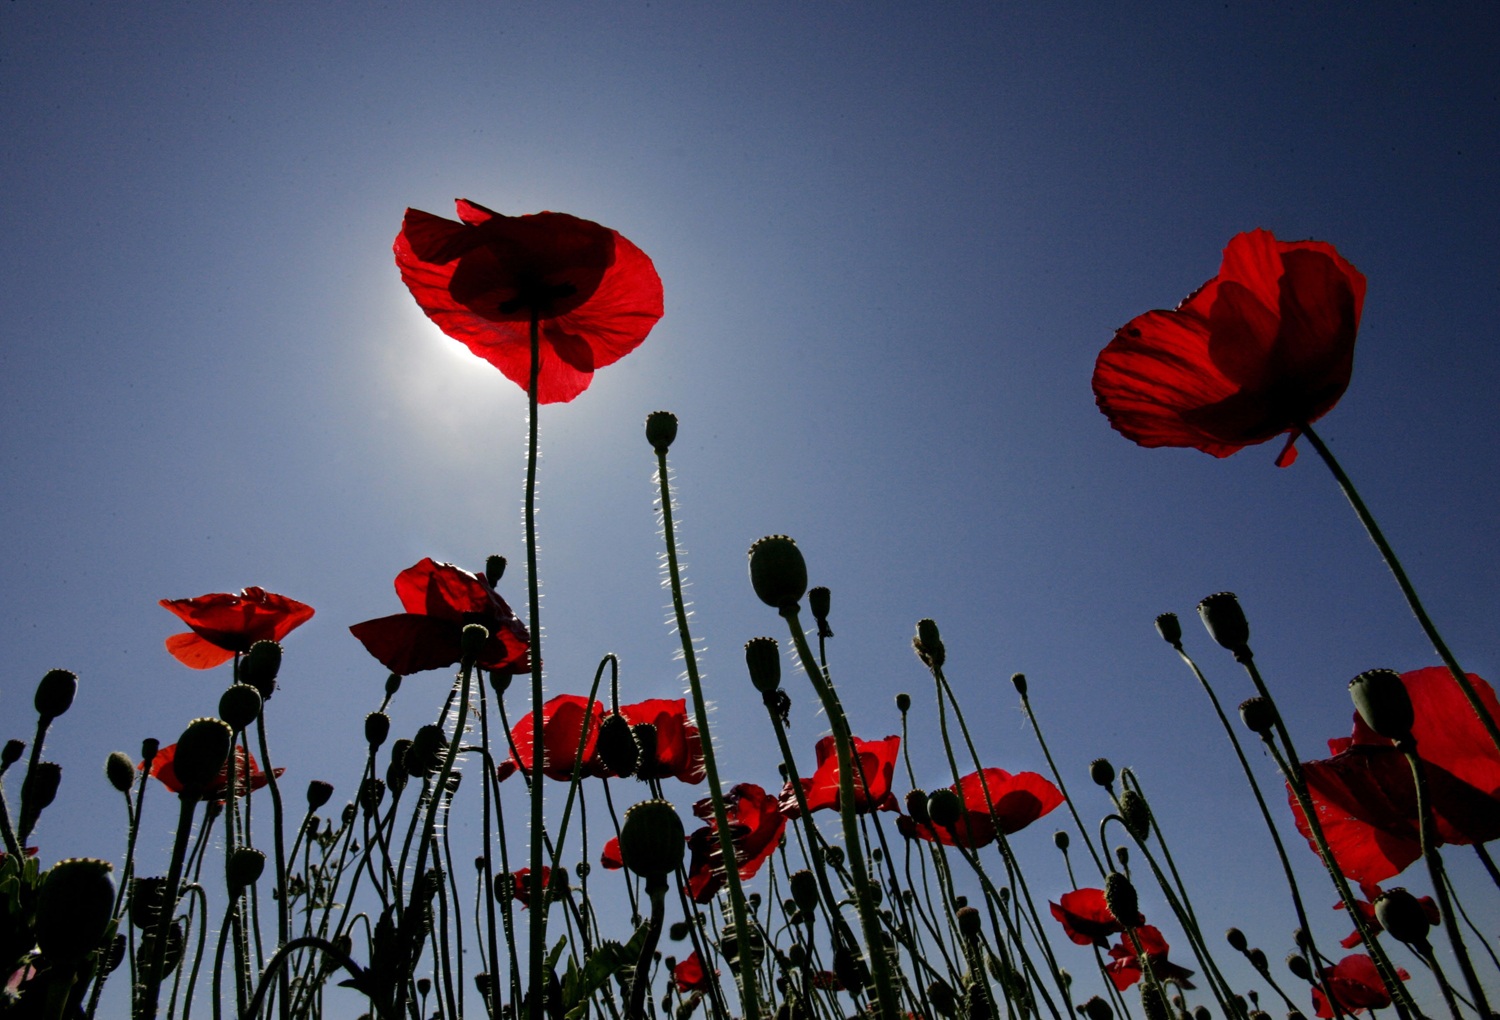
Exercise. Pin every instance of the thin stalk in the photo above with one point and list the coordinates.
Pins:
(537, 929)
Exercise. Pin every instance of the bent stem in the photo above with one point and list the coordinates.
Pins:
(1428, 628)
(745, 969)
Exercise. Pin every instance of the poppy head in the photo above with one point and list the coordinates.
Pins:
(224, 624)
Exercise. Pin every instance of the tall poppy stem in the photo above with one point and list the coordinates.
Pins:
(537, 891)
(1389, 555)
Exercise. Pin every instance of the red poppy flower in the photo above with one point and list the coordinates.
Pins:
(1367, 911)
(1356, 983)
(1262, 348)
(1086, 918)
(563, 719)
(876, 761)
(756, 822)
(1364, 796)
(440, 600)
(690, 975)
(1019, 800)
(679, 748)
(521, 884)
(248, 776)
(596, 294)
(223, 624)
(1124, 968)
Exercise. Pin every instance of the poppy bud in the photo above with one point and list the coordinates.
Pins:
(661, 429)
(424, 987)
(970, 924)
(818, 601)
(928, 644)
(1122, 854)
(1120, 898)
(1297, 964)
(1102, 772)
(371, 793)
(678, 931)
(833, 856)
(945, 808)
(652, 843)
(1018, 681)
(147, 897)
(484, 984)
(617, 747)
(260, 666)
(471, 641)
(1170, 629)
(12, 752)
(778, 572)
(647, 767)
(1225, 620)
(1136, 814)
(494, 569)
(1153, 1004)
(397, 765)
(916, 806)
(976, 1001)
(38, 790)
(500, 681)
(1295, 1014)
(392, 685)
(940, 994)
(120, 771)
(54, 695)
(1257, 958)
(1258, 714)
(377, 728)
(149, 747)
(1236, 940)
(244, 869)
(764, 662)
(1383, 703)
(240, 705)
(903, 702)
(318, 793)
(202, 751)
(1259, 1014)
(425, 755)
(1402, 914)
(1202, 1012)
(1096, 1009)
(849, 967)
(805, 892)
(74, 908)
(116, 954)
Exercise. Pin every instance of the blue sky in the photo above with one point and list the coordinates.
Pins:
(893, 240)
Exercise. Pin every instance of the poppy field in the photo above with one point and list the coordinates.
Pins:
(619, 873)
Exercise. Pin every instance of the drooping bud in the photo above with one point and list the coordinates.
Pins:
(494, 569)
(805, 892)
(244, 869)
(54, 694)
(472, 640)
(1170, 629)
(764, 662)
(778, 572)
(661, 429)
(617, 747)
(1136, 814)
(1225, 620)
(1259, 715)
(1061, 839)
(1102, 772)
(1403, 915)
(38, 791)
(1383, 703)
(1122, 854)
(318, 793)
(1120, 898)
(1236, 940)
(1153, 1004)
(120, 771)
(74, 908)
(1018, 681)
(12, 752)
(1096, 1009)
(202, 751)
(903, 702)
(819, 600)
(652, 842)
(945, 808)
(260, 666)
(928, 644)
(377, 728)
(240, 705)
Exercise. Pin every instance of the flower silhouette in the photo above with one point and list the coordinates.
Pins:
(595, 294)
(440, 599)
(1019, 800)
(1263, 348)
(248, 776)
(757, 824)
(1364, 796)
(1124, 968)
(1356, 984)
(224, 625)
(679, 748)
(563, 719)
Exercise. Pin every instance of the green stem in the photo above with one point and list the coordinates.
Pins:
(148, 1003)
(1389, 555)
(745, 971)
(538, 901)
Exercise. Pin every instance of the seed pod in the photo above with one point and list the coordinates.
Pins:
(1383, 703)
(377, 728)
(240, 705)
(945, 808)
(1258, 714)
(805, 892)
(371, 793)
(916, 806)
(74, 908)
(617, 747)
(661, 430)
(1018, 681)
(1061, 839)
(1402, 914)
(1225, 620)
(970, 923)
(318, 793)
(244, 869)
(120, 771)
(647, 766)
(260, 666)
(764, 663)
(494, 569)
(652, 842)
(778, 573)
(903, 702)
(54, 694)
(1102, 772)
(472, 640)
(819, 600)
(1257, 958)
(1170, 629)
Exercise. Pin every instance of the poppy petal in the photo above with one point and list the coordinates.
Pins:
(199, 653)
(407, 643)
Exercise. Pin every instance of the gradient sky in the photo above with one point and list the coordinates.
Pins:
(893, 239)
